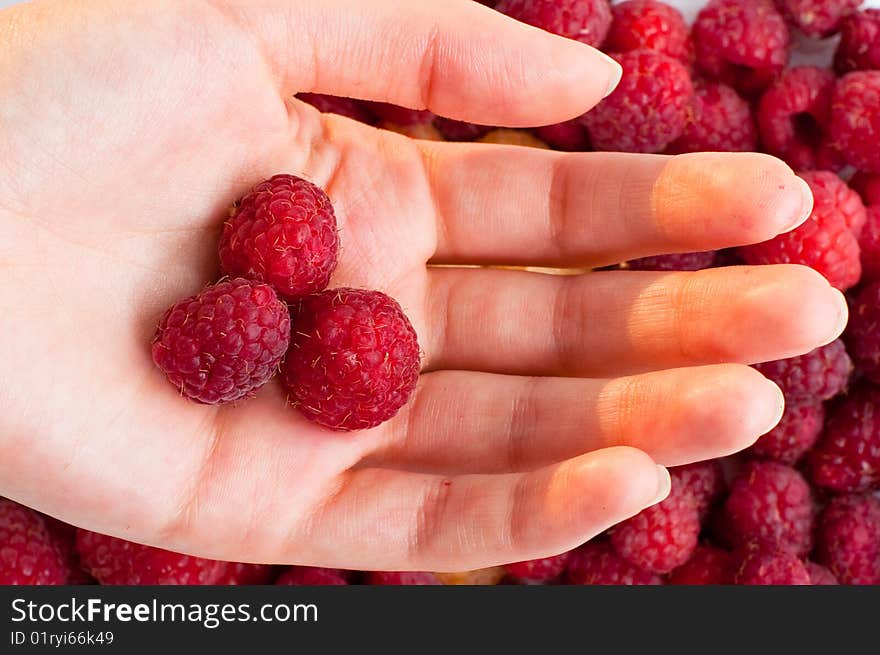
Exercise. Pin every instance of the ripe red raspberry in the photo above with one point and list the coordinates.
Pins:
(311, 575)
(833, 195)
(793, 115)
(847, 458)
(704, 481)
(863, 332)
(819, 375)
(796, 433)
(647, 110)
(539, 571)
(349, 107)
(223, 343)
(769, 503)
(401, 578)
(823, 242)
(596, 563)
(660, 537)
(869, 243)
(29, 554)
(570, 136)
(414, 123)
(743, 43)
(855, 119)
(757, 566)
(64, 537)
(867, 185)
(819, 575)
(719, 121)
(401, 116)
(848, 539)
(651, 25)
(282, 233)
(859, 47)
(586, 21)
(238, 573)
(817, 17)
(688, 261)
(353, 360)
(115, 561)
(453, 130)
(707, 565)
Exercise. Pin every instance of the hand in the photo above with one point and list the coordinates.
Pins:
(546, 403)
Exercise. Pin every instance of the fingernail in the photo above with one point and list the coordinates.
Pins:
(779, 408)
(616, 73)
(842, 316)
(664, 484)
(806, 204)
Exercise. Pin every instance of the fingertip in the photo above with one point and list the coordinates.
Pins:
(809, 312)
(630, 479)
(550, 78)
(742, 198)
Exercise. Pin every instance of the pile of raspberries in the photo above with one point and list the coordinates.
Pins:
(798, 507)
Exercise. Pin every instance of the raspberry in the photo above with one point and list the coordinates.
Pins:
(538, 571)
(246, 574)
(660, 537)
(311, 575)
(704, 481)
(769, 503)
(848, 539)
(869, 243)
(596, 563)
(868, 187)
(64, 537)
(819, 575)
(847, 458)
(282, 233)
(859, 47)
(796, 433)
(115, 561)
(689, 261)
(453, 130)
(586, 21)
(718, 121)
(401, 116)
(793, 115)
(650, 25)
(353, 360)
(743, 43)
(833, 195)
(863, 332)
(819, 375)
(855, 119)
(757, 566)
(349, 107)
(223, 343)
(29, 554)
(707, 565)
(817, 17)
(401, 578)
(570, 136)
(647, 110)
(482, 577)
(505, 137)
(823, 242)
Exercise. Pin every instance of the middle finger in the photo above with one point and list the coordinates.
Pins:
(621, 322)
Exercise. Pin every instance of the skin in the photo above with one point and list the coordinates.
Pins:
(546, 403)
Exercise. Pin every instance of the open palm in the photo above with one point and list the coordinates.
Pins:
(129, 128)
